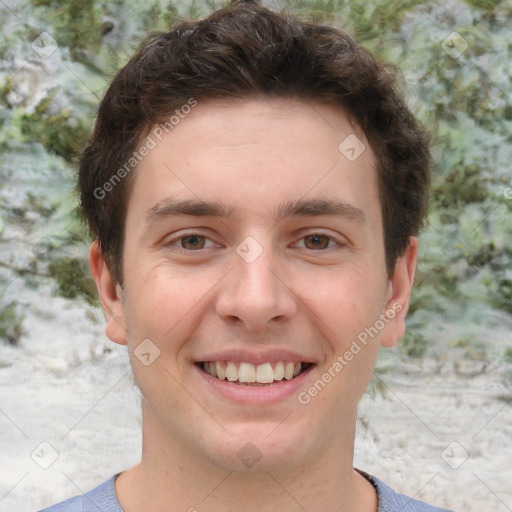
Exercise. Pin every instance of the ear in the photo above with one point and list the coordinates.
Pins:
(400, 287)
(111, 296)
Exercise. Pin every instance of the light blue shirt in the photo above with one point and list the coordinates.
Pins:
(103, 499)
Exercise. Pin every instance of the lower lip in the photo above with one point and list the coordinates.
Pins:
(255, 394)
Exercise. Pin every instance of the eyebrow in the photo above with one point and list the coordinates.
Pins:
(300, 208)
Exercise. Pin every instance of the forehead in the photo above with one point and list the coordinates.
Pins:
(306, 120)
(258, 154)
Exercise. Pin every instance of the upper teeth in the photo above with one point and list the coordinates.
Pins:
(247, 372)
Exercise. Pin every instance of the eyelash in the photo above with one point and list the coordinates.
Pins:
(170, 243)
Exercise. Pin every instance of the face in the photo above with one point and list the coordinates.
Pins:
(254, 250)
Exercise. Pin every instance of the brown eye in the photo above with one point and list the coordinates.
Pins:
(317, 241)
(192, 242)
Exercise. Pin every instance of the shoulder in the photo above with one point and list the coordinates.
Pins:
(103, 497)
(391, 501)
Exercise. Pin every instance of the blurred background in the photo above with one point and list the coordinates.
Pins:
(436, 421)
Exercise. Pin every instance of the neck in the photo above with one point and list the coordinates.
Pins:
(171, 473)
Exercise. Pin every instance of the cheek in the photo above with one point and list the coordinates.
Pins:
(347, 300)
(162, 306)
(162, 312)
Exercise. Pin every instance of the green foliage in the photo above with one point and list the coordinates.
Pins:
(461, 186)
(11, 323)
(464, 275)
(73, 279)
(76, 24)
(59, 133)
(414, 345)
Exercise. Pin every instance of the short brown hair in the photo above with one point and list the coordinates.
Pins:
(243, 51)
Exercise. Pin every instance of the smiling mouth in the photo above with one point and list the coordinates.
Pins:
(247, 374)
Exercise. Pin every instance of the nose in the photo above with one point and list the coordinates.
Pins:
(257, 294)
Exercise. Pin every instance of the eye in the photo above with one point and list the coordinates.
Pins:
(194, 242)
(318, 241)
(191, 242)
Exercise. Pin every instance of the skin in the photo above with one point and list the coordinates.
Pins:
(193, 298)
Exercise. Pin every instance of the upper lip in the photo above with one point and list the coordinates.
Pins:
(256, 357)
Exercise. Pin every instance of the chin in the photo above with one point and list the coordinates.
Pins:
(258, 448)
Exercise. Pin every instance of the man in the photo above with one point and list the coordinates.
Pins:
(255, 186)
